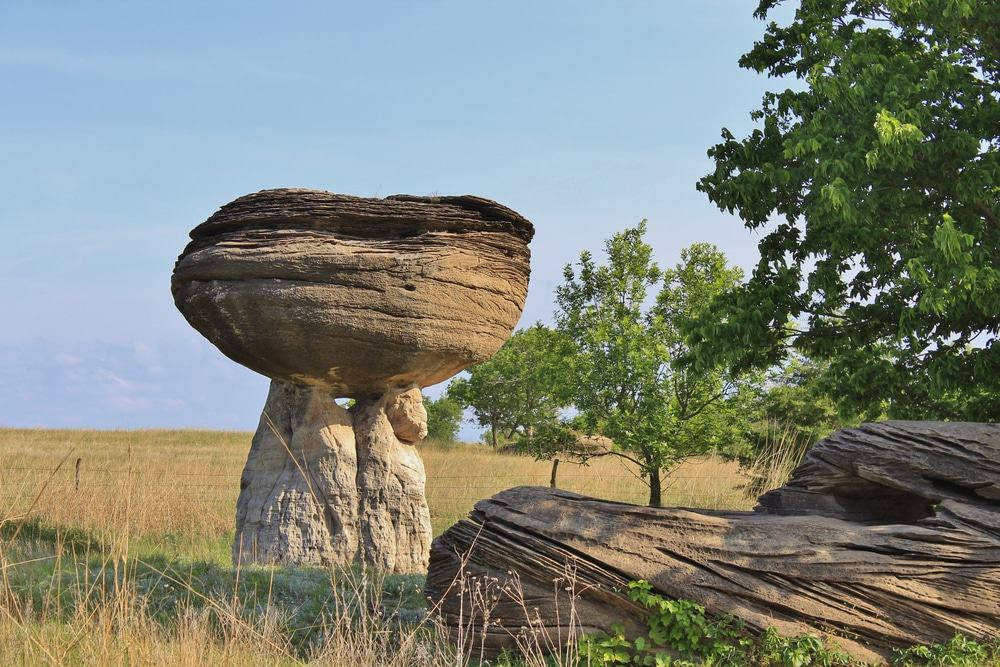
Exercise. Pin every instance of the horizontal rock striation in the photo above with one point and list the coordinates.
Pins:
(887, 535)
(356, 295)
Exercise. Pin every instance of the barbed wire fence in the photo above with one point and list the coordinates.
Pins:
(447, 487)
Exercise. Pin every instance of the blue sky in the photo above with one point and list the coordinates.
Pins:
(123, 125)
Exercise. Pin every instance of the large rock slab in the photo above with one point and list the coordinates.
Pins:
(887, 535)
(357, 295)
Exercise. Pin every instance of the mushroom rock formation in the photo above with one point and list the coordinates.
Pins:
(886, 535)
(336, 296)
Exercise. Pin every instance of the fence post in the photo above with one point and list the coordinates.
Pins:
(78, 461)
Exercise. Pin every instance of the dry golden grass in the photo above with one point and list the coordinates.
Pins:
(460, 474)
(101, 639)
(183, 485)
(151, 522)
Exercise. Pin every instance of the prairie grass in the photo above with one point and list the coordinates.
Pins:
(780, 451)
(182, 485)
(127, 561)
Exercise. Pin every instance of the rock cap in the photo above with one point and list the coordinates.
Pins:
(355, 294)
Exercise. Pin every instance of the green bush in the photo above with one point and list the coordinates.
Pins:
(444, 416)
(958, 651)
(681, 635)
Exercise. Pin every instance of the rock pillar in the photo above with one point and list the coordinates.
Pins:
(324, 485)
(333, 295)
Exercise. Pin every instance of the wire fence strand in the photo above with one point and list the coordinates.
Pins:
(168, 473)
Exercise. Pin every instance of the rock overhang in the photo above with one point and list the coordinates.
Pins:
(356, 294)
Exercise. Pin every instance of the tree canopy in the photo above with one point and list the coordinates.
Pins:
(521, 388)
(875, 188)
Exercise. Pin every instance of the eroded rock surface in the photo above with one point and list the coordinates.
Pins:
(358, 295)
(338, 296)
(887, 535)
(395, 524)
(334, 296)
(298, 498)
(324, 485)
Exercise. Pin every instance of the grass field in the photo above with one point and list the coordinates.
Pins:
(124, 558)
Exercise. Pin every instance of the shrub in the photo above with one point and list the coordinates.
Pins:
(681, 635)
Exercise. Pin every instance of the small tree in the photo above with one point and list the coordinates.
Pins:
(444, 415)
(523, 386)
(629, 383)
(558, 439)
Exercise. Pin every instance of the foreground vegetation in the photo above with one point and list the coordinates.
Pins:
(680, 633)
(132, 566)
(126, 558)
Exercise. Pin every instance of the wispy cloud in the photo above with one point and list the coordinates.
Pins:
(127, 384)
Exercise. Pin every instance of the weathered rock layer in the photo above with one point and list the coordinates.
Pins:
(324, 485)
(357, 295)
(887, 535)
(298, 498)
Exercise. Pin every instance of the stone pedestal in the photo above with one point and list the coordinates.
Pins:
(325, 485)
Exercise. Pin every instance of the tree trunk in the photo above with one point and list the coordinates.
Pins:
(887, 535)
(655, 492)
(552, 477)
(493, 436)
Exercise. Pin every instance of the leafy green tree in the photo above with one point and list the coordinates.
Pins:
(876, 186)
(521, 388)
(794, 412)
(798, 398)
(628, 383)
(444, 416)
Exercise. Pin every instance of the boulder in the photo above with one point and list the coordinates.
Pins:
(887, 535)
(355, 295)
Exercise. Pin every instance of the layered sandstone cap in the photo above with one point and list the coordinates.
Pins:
(354, 294)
